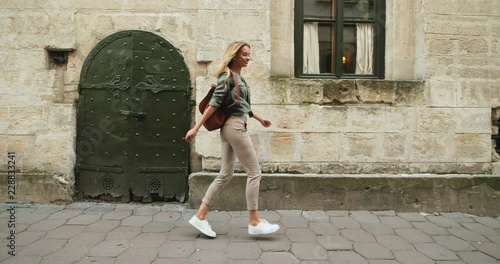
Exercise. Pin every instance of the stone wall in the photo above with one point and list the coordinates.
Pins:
(432, 114)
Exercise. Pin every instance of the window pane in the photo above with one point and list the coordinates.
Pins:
(326, 47)
(360, 9)
(357, 55)
(319, 9)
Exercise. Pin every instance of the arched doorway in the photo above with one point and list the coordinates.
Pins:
(133, 112)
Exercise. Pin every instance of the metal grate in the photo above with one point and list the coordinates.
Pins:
(154, 186)
(108, 183)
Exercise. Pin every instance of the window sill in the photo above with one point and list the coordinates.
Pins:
(353, 91)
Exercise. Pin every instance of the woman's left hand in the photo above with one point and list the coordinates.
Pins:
(266, 123)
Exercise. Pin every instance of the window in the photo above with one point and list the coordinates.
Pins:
(339, 38)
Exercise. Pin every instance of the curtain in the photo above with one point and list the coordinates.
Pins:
(364, 52)
(311, 48)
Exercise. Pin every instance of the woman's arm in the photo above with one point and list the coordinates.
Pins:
(191, 134)
(264, 122)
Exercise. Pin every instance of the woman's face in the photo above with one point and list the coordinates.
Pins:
(242, 58)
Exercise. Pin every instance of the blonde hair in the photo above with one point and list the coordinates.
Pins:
(227, 58)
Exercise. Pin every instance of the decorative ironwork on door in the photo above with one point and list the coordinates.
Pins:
(133, 112)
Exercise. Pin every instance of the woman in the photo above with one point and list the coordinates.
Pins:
(236, 142)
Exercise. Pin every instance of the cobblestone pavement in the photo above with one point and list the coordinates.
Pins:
(104, 233)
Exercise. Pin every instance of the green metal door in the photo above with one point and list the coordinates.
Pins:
(133, 114)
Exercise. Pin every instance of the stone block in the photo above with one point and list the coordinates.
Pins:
(472, 93)
(367, 119)
(476, 46)
(400, 119)
(438, 67)
(268, 93)
(472, 147)
(325, 119)
(62, 118)
(284, 147)
(339, 92)
(432, 147)
(435, 120)
(411, 93)
(473, 120)
(443, 92)
(456, 25)
(320, 146)
(379, 92)
(362, 147)
(440, 45)
(304, 91)
(395, 147)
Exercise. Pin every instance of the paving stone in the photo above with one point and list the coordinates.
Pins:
(22, 260)
(364, 217)
(63, 257)
(450, 262)
(394, 242)
(323, 228)
(443, 221)
(158, 227)
(116, 215)
(151, 240)
(99, 209)
(494, 239)
(206, 243)
(300, 235)
(430, 228)
(243, 261)
(372, 250)
(278, 257)
(384, 213)
(184, 233)
(436, 251)
(127, 207)
(31, 218)
(94, 260)
(171, 261)
(357, 235)
(80, 205)
(481, 229)
(147, 210)
(377, 228)
(395, 222)
(65, 214)
(344, 222)
(335, 242)
(220, 228)
(414, 235)
(176, 249)
(488, 221)
(220, 217)
(294, 221)
(490, 249)
(124, 232)
(412, 217)
(42, 247)
(466, 234)
(309, 251)
(275, 243)
(209, 257)
(459, 217)
(338, 213)
(476, 257)
(136, 220)
(243, 250)
(344, 257)
(65, 232)
(289, 212)
(102, 226)
(84, 219)
(84, 241)
(315, 262)
(453, 243)
(137, 255)
(46, 225)
(238, 221)
(316, 216)
(271, 216)
(170, 217)
(412, 257)
(385, 261)
(29, 237)
(109, 248)
(173, 207)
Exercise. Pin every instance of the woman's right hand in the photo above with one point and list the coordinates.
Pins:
(191, 134)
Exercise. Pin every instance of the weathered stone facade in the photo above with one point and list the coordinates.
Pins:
(431, 114)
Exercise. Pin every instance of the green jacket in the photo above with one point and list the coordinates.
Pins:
(221, 99)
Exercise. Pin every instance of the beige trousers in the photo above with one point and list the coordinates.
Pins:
(236, 143)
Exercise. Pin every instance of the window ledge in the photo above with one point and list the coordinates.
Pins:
(353, 91)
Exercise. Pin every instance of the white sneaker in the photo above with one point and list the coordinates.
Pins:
(263, 228)
(202, 225)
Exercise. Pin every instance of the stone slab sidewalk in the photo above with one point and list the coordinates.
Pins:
(105, 233)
